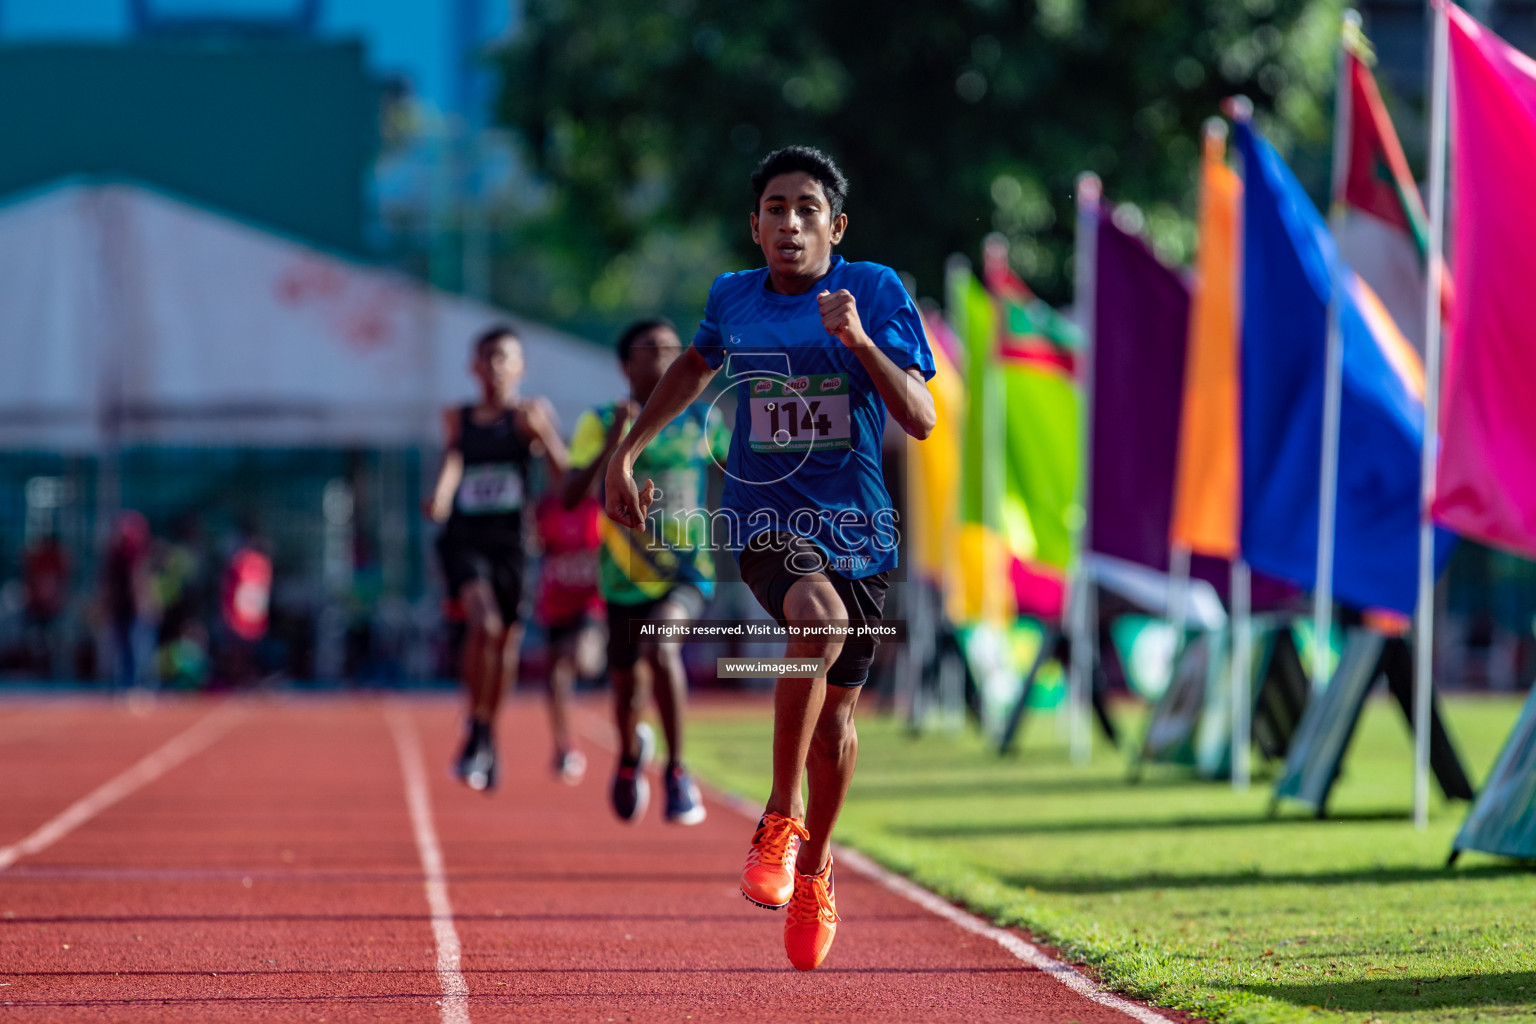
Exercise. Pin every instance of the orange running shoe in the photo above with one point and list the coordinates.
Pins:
(769, 877)
(810, 925)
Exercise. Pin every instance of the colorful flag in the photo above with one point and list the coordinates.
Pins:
(934, 465)
(1020, 453)
(1031, 330)
(1288, 261)
(1206, 490)
(985, 591)
(1040, 495)
(1140, 329)
(1486, 484)
(1384, 230)
(1503, 817)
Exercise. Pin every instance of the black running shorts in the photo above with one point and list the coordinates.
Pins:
(624, 652)
(772, 562)
(498, 561)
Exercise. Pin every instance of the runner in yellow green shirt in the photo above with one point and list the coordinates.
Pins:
(662, 573)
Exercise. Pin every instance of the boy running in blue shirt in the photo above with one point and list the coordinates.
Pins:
(820, 351)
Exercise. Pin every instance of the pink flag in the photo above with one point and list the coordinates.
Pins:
(1487, 476)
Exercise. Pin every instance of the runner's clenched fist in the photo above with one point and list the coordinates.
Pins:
(840, 318)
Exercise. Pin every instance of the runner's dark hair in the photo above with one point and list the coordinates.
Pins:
(493, 334)
(801, 158)
(636, 330)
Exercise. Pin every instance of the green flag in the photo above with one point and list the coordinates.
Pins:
(1042, 463)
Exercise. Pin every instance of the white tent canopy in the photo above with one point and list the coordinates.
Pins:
(129, 317)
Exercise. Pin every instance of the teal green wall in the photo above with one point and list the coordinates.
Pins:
(281, 134)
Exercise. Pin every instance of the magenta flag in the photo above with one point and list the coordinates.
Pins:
(1487, 475)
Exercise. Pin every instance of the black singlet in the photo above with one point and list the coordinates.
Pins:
(497, 457)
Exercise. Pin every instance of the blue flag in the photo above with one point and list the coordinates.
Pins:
(1288, 259)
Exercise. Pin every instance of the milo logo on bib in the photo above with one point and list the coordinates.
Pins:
(809, 412)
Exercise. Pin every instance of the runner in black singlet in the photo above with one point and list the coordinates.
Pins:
(480, 493)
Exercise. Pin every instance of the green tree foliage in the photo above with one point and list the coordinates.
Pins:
(951, 119)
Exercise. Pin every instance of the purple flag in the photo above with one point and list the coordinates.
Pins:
(1141, 323)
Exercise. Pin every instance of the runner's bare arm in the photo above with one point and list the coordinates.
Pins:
(903, 388)
(580, 481)
(684, 381)
(440, 503)
(539, 421)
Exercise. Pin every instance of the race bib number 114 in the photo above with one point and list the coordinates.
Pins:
(800, 413)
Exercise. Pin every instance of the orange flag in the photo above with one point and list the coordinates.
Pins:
(1205, 497)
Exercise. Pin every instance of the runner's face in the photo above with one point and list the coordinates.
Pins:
(795, 227)
(499, 366)
(649, 357)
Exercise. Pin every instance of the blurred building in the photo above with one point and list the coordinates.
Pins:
(429, 49)
(370, 118)
(195, 201)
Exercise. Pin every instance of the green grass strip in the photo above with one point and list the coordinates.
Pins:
(1186, 893)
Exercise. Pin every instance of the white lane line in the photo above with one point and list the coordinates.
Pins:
(455, 1001)
(1025, 951)
(932, 902)
(174, 752)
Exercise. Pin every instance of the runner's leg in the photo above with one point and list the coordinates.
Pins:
(834, 751)
(684, 803)
(631, 690)
(797, 703)
(562, 679)
(669, 681)
(483, 639)
(630, 792)
(502, 672)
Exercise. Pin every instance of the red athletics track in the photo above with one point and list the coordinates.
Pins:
(266, 862)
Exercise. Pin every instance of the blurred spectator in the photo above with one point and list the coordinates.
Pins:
(248, 592)
(184, 656)
(246, 603)
(45, 583)
(128, 599)
(182, 651)
(179, 580)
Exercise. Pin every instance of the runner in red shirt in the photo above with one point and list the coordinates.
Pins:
(568, 607)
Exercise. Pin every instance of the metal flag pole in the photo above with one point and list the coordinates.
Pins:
(1333, 373)
(1424, 636)
(1240, 110)
(1089, 193)
(1242, 674)
(1179, 557)
(994, 459)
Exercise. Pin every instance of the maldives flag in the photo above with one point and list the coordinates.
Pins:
(1030, 330)
(1487, 471)
(1384, 232)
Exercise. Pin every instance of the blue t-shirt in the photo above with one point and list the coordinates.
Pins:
(805, 450)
